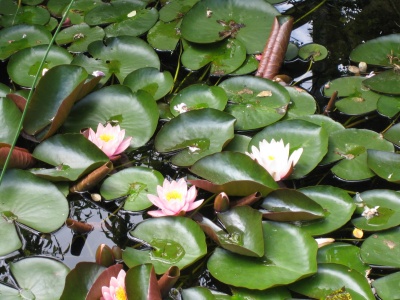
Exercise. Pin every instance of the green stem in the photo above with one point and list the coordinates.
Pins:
(203, 204)
(309, 68)
(311, 11)
(205, 72)
(28, 100)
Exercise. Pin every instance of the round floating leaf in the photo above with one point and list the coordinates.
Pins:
(8, 233)
(314, 52)
(18, 37)
(255, 102)
(249, 65)
(299, 134)
(234, 173)
(135, 183)
(388, 287)
(382, 248)
(23, 202)
(278, 266)
(240, 143)
(376, 51)
(41, 277)
(95, 291)
(10, 116)
(291, 205)
(292, 51)
(249, 22)
(325, 122)
(78, 9)
(225, 56)
(276, 293)
(141, 22)
(338, 207)
(196, 133)
(175, 241)
(141, 283)
(33, 15)
(331, 278)
(79, 37)
(301, 103)
(199, 293)
(4, 90)
(151, 80)
(23, 65)
(175, 9)
(388, 211)
(356, 98)
(344, 254)
(393, 134)
(72, 156)
(350, 147)
(386, 82)
(164, 36)
(136, 113)
(388, 105)
(198, 96)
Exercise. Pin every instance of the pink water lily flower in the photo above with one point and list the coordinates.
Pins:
(174, 199)
(116, 290)
(274, 157)
(110, 139)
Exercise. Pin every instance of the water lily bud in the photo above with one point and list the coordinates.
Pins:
(354, 69)
(358, 233)
(104, 255)
(78, 227)
(221, 202)
(363, 67)
(117, 252)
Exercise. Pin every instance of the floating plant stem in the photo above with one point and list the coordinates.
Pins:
(330, 103)
(310, 12)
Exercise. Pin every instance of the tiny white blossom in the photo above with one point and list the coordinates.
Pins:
(369, 213)
(98, 73)
(181, 107)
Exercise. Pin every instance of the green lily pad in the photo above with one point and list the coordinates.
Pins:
(331, 278)
(198, 96)
(350, 147)
(249, 65)
(292, 51)
(10, 116)
(278, 266)
(393, 134)
(388, 105)
(79, 37)
(291, 205)
(164, 36)
(77, 11)
(376, 51)
(196, 133)
(199, 293)
(24, 65)
(301, 103)
(32, 15)
(151, 80)
(338, 207)
(382, 248)
(355, 97)
(314, 52)
(234, 173)
(388, 287)
(211, 21)
(18, 37)
(23, 202)
(276, 293)
(4, 90)
(72, 156)
(141, 283)
(175, 241)
(136, 113)
(344, 254)
(388, 211)
(175, 9)
(239, 143)
(386, 82)
(299, 134)
(135, 183)
(255, 102)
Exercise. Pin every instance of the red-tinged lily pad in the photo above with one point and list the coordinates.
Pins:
(387, 287)
(33, 15)
(387, 82)
(290, 205)
(102, 280)
(330, 278)
(23, 202)
(136, 113)
(24, 65)
(134, 183)
(72, 156)
(20, 158)
(314, 52)
(255, 102)
(198, 96)
(141, 283)
(164, 36)
(388, 215)
(175, 9)
(278, 266)
(175, 241)
(18, 37)
(234, 173)
(213, 20)
(338, 207)
(196, 134)
(78, 37)
(299, 134)
(151, 80)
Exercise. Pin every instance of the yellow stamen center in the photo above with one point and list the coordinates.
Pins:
(120, 293)
(106, 137)
(173, 195)
(271, 157)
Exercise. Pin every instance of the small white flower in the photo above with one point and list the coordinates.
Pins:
(369, 213)
(98, 73)
(181, 108)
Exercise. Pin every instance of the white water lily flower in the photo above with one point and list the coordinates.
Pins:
(274, 157)
(369, 213)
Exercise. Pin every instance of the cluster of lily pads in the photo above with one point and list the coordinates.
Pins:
(101, 92)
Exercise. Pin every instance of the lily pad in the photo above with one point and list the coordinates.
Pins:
(299, 134)
(393, 134)
(135, 183)
(276, 293)
(386, 82)
(175, 9)
(255, 102)
(388, 105)
(211, 21)
(301, 103)
(79, 37)
(338, 207)
(278, 266)
(10, 116)
(23, 202)
(388, 211)
(240, 143)
(164, 36)
(77, 11)
(314, 52)
(249, 65)
(196, 133)
(179, 247)
(388, 287)
(198, 96)
(18, 37)
(141, 283)
(32, 15)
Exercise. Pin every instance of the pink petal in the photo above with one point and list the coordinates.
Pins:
(157, 213)
(123, 145)
(195, 205)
